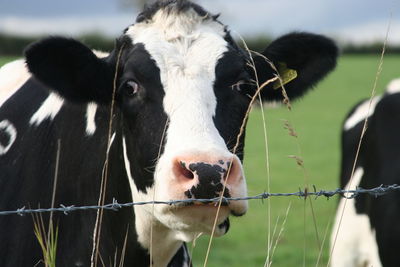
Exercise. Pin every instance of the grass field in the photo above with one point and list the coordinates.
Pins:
(4, 60)
(317, 119)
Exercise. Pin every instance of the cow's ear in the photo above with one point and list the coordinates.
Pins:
(71, 69)
(301, 59)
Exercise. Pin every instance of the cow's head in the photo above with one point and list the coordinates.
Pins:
(183, 88)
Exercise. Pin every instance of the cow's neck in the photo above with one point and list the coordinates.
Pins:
(158, 239)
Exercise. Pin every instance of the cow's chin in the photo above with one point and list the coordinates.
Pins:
(192, 220)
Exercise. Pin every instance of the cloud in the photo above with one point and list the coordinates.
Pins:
(66, 25)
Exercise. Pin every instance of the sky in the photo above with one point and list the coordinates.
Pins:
(355, 21)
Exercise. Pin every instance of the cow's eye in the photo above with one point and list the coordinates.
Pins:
(236, 86)
(131, 88)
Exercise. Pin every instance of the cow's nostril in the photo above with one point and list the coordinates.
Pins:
(228, 170)
(184, 171)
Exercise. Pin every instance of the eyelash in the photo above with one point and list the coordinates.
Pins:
(236, 86)
(131, 88)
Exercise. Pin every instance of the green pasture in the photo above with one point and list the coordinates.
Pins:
(317, 119)
(5, 59)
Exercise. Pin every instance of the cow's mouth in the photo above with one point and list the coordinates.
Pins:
(212, 204)
(194, 217)
(225, 225)
(224, 203)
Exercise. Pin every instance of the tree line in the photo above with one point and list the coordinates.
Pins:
(12, 45)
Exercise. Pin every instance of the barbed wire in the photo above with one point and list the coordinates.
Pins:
(349, 194)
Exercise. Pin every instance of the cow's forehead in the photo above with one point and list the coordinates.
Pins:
(181, 43)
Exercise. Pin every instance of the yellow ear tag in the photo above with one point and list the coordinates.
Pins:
(286, 74)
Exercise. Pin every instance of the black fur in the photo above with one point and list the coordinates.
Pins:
(72, 68)
(350, 140)
(142, 116)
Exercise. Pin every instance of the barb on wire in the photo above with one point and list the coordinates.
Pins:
(349, 194)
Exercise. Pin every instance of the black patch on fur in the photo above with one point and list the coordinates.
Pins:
(233, 45)
(232, 103)
(350, 140)
(143, 116)
(209, 185)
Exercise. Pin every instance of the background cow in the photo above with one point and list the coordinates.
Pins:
(182, 90)
(369, 233)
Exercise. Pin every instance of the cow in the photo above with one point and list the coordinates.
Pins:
(367, 233)
(178, 88)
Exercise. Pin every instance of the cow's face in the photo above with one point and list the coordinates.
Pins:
(183, 111)
(183, 88)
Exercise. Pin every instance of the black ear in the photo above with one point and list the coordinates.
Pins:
(302, 60)
(71, 69)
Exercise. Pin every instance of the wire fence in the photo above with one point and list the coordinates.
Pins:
(349, 194)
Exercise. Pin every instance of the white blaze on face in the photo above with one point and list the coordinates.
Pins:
(355, 242)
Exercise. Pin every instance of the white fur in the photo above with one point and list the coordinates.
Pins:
(12, 76)
(363, 111)
(356, 244)
(90, 118)
(393, 87)
(8, 128)
(48, 110)
(100, 54)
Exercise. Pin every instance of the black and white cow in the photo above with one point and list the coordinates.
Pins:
(183, 87)
(369, 233)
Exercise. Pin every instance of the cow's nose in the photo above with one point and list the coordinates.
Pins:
(205, 178)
